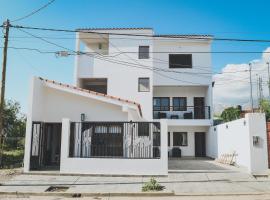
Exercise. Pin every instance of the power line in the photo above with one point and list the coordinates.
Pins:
(185, 37)
(33, 12)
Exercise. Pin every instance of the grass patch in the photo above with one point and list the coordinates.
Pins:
(13, 158)
(152, 185)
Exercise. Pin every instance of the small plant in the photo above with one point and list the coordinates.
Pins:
(152, 185)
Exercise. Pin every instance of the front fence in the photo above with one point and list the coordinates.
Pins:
(114, 140)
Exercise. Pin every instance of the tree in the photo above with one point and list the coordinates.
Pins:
(14, 124)
(265, 107)
(230, 114)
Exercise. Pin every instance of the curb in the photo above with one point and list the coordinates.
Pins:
(132, 194)
(69, 194)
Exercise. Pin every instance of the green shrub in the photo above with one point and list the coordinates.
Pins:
(152, 185)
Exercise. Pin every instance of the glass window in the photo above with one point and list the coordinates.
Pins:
(179, 103)
(143, 52)
(144, 85)
(180, 139)
(143, 129)
(180, 61)
(161, 103)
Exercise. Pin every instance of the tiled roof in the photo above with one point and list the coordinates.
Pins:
(93, 92)
(186, 36)
(143, 28)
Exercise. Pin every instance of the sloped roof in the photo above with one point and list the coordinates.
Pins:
(94, 93)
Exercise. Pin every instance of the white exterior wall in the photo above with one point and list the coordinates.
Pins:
(113, 166)
(182, 91)
(188, 150)
(201, 62)
(122, 78)
(238, 136)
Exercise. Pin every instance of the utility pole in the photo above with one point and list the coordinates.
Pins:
(268, 79)
(250, 81)
(6, 25)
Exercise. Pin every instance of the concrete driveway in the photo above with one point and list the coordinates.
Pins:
(196, 164)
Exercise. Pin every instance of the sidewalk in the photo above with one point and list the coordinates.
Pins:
(181, 183)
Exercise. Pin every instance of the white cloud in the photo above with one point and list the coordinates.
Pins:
(232, 87)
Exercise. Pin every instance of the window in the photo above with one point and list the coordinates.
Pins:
(180, 139)
(143, 129)
(161, 104)
(144, 84)
(143, 52)
(180, 61)
(179, 103)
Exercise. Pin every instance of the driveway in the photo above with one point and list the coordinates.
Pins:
(195, 164)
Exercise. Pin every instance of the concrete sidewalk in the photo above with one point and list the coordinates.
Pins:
(181, 183)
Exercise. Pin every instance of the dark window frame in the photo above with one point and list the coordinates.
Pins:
(179, 107)
(160, 107)
(143, 54)
(179, 65)
(143, 129)
(140, 78)
(177, 143)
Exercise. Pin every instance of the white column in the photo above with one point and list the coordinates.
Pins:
(64, 142)
(164, 144)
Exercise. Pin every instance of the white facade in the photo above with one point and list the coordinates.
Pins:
(110, 62)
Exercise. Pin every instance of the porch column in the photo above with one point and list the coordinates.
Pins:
(64, 142)
(164, 144)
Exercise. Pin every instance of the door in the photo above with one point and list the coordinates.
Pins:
(199, 108)
(200, 144)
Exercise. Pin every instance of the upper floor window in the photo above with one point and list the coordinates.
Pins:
(180, 61)
(143, 52)
(161, 103)
(144, 85)
(179, 103)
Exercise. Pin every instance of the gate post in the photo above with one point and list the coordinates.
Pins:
(164, 144)
(64, 142)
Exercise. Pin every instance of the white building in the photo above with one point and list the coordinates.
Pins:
(147, 94)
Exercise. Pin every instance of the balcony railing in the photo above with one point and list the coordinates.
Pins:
(185, 112)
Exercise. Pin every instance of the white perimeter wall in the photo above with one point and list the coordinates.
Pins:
(111, 166)
(238, 136)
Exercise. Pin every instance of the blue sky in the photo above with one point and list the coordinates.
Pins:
(223, 18)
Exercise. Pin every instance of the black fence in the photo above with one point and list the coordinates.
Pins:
(115, 140)
(181, 112)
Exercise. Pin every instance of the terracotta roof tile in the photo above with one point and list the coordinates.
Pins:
(95, 93)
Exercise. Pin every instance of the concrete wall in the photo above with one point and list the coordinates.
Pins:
(122, 70)
(47, 104)
(238, 136)
(201, 62)
(188, 150)
(112, 166)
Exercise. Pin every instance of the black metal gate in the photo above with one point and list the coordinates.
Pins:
(45, 146)
(36, 145)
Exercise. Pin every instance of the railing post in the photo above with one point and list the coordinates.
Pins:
(209, 113)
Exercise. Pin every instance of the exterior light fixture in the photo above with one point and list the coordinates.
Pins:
(245, 122)
(82, 117)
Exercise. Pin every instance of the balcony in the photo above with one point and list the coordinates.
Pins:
(185, 112)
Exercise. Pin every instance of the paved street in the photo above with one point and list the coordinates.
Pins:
(238, 197)
(206, 178)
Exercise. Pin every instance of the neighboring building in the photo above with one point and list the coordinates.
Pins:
(141, 93)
